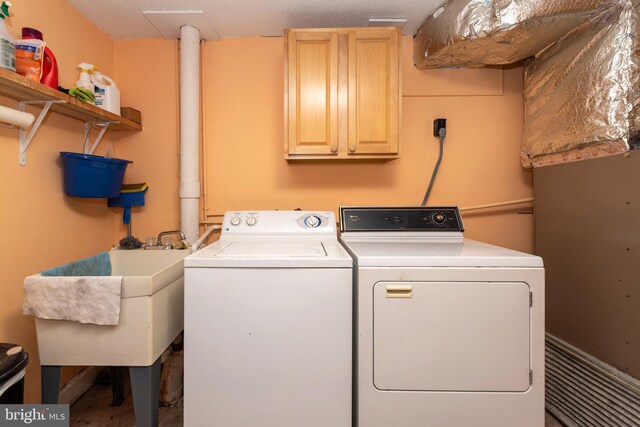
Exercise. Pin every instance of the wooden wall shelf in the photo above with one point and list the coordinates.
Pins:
(17, 87)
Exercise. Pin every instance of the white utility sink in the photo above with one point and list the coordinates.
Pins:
(151, 316)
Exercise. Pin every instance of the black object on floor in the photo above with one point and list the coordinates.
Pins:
(13, 362)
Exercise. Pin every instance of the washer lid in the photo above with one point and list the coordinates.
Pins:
(272, 250)
(276, 254)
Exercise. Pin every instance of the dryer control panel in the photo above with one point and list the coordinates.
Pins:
(400, 219)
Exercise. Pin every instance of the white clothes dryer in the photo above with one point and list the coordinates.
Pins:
(449, 332)
(268, 324)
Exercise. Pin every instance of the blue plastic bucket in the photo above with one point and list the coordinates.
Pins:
(92, 176)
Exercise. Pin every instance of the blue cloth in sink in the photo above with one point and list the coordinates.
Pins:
(97, 265)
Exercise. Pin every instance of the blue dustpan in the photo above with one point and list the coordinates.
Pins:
(130, 195)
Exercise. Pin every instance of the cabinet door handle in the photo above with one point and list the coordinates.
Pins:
(334, 148)
(399, 291)
(352, 147)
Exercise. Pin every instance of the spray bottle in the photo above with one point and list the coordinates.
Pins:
(106, 91)
(7, 45)
(84, 80)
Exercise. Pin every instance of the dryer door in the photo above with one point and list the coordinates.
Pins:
(451, 336)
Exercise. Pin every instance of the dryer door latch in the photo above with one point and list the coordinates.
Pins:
(399, 291)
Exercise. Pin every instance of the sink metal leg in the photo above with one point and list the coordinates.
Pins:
(50, 384)
(145, 387)
(117, 384)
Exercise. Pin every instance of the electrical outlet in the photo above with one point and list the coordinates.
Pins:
(439, 124)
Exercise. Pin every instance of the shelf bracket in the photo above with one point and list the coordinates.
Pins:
(87, 128)
(26, 138)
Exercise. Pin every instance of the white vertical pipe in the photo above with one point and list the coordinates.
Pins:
(189, 131)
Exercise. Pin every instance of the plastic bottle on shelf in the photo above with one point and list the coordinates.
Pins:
(49, 70)
(106, 92)
(49, 75)
(7, 44)
(85, 80)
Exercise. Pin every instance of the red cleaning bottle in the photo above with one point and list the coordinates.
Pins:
(49, 69)
(49, 64)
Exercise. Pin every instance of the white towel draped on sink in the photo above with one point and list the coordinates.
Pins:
(84, 299)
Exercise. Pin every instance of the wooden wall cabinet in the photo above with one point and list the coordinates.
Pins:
(342, 93)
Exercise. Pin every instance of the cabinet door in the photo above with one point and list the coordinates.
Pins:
(312, 98)
(374, 91)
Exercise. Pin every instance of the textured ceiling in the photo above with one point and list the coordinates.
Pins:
(124, 19)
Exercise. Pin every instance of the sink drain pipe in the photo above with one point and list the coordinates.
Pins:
(189, 131)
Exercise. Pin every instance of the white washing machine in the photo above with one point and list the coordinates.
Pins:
(268, 324)
(449, 331)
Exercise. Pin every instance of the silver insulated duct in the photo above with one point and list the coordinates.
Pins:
(581, 94)
(474, 33)
(580, 87)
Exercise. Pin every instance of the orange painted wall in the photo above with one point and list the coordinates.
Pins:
(43, 228)
(245, 168)
(147, 75)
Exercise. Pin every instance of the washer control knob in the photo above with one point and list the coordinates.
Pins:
(439, 218)
(312, 221)
(235, 220)
(251, 221)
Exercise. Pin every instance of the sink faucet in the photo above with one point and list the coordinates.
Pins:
(166, 233)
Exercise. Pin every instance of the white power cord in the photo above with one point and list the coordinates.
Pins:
(204, 236)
